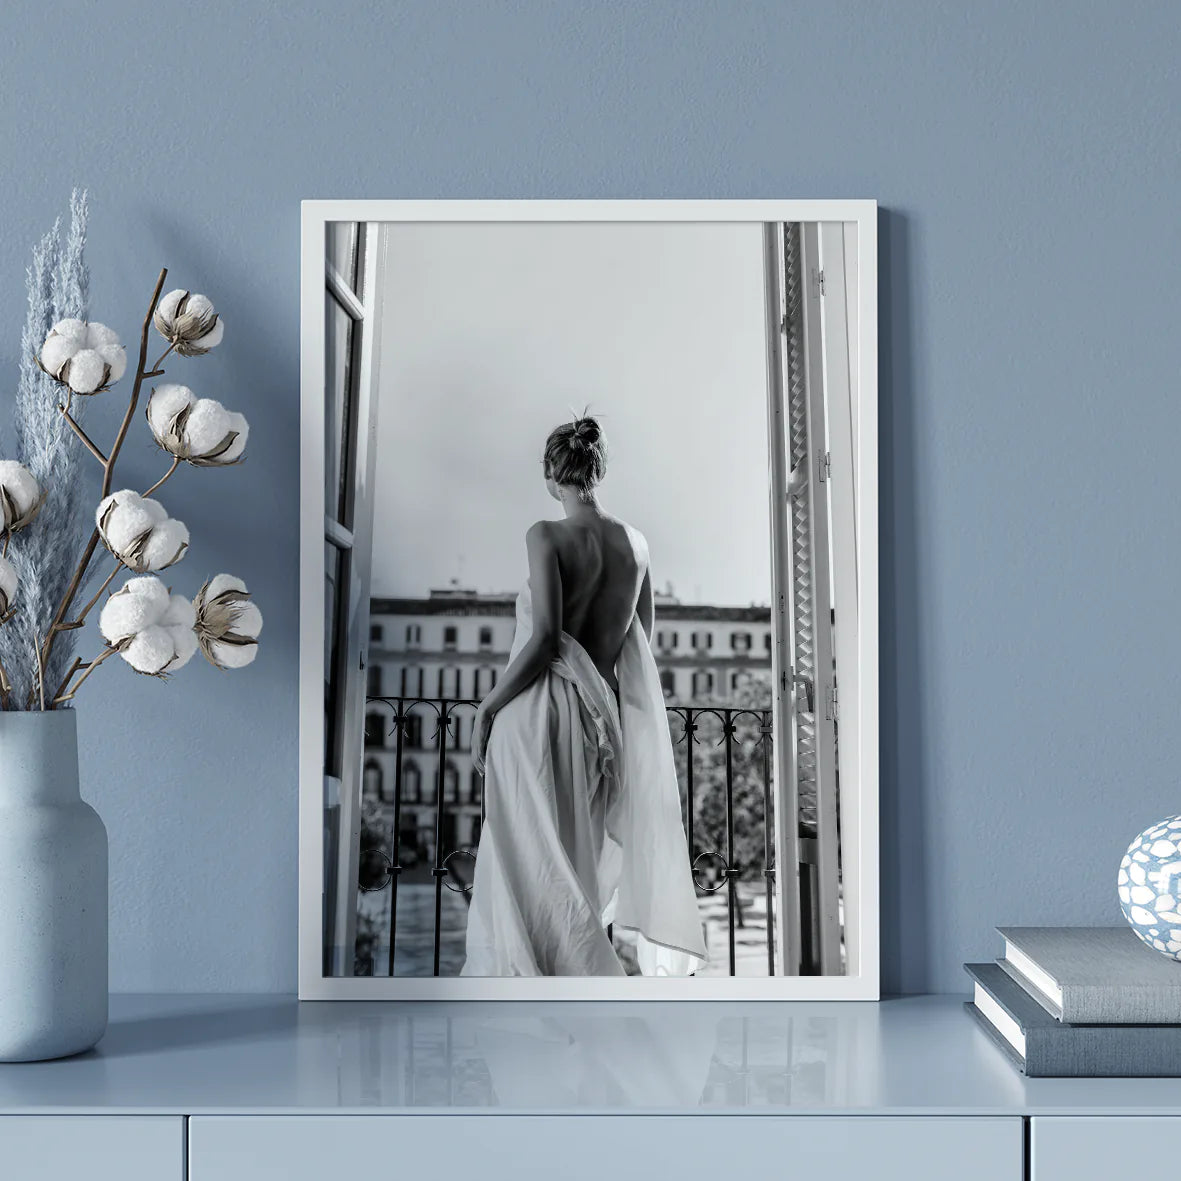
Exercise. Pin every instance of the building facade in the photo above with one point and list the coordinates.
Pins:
(443, 653)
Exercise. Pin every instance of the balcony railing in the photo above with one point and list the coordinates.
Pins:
(724, 761)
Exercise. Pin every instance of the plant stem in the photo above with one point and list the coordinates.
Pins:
(7, 539)
(140, 374)
(66, 679)
(89, 669)
(5, 688)
(86, 439)
(97, 595)
(46, 648)
(175, 465)
(155, 371)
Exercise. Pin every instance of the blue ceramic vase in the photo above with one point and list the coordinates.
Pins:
(53, 894)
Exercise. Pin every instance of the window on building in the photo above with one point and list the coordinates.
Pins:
(449, 682)
(740, 641)
(413, 635)
(485, 637)
(450, 783)
(668, 682)
(703, 683)
(371, 780)
(450, 636)
(412, 681)
(376, 633)
(767, 641)
(411, 782)
(412, 732)
(373, 681)
(703, 641)
(374, 730)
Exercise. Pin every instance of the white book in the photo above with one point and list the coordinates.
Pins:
(1094, 975)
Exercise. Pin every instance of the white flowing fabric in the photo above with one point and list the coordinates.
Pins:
(583, 825)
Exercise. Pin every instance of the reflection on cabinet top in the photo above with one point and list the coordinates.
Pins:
(239, 1054)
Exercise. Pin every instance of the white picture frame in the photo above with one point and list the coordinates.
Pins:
(848, 224)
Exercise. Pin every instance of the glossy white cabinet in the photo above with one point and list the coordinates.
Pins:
(604, 1148)
(1099, 1148)
(91, 1148)
(265, 1088)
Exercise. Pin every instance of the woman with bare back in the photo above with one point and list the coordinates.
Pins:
(583, 825)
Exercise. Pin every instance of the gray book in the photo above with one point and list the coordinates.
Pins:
(1045, 1048)
(1094, 975)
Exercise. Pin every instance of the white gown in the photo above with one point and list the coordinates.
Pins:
(583, 825)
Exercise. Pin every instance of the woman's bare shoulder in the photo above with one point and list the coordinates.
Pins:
(540, 533)
(638, 541)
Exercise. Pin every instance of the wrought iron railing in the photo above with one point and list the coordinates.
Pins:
(727, 810)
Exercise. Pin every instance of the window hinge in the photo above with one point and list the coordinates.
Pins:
(824, 464)
(832, 710)
(817, 281)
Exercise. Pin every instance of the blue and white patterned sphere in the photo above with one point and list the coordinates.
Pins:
(1150, 886)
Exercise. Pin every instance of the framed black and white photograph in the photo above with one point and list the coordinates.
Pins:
(588, 600)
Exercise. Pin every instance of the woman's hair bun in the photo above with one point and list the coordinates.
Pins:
(587, 430)
(576, 454)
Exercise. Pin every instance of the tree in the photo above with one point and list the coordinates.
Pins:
(743, 725)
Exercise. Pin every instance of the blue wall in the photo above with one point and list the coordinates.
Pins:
(1025, 156)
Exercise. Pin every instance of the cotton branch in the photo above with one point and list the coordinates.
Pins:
(141, 374)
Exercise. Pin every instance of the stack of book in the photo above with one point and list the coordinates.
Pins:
(1081, 1002)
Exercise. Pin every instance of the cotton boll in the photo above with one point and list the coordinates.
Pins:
(84, 356)
(207, 426)
(20, 496)
(124, 517)
(20, 487)
(86, 371)
(151, 651)
(228, 623)
(188, 322)
(139, 531)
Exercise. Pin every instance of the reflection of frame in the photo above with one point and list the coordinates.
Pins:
(441, 343)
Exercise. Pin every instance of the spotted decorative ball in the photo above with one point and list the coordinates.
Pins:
(1150, 886)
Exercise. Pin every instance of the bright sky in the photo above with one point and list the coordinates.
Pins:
(493, 334)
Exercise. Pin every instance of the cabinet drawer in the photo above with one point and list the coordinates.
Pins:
(1097, 1148)
(91, 1148)
(603, 1148)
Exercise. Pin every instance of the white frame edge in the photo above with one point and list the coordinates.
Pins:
(861, 859)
